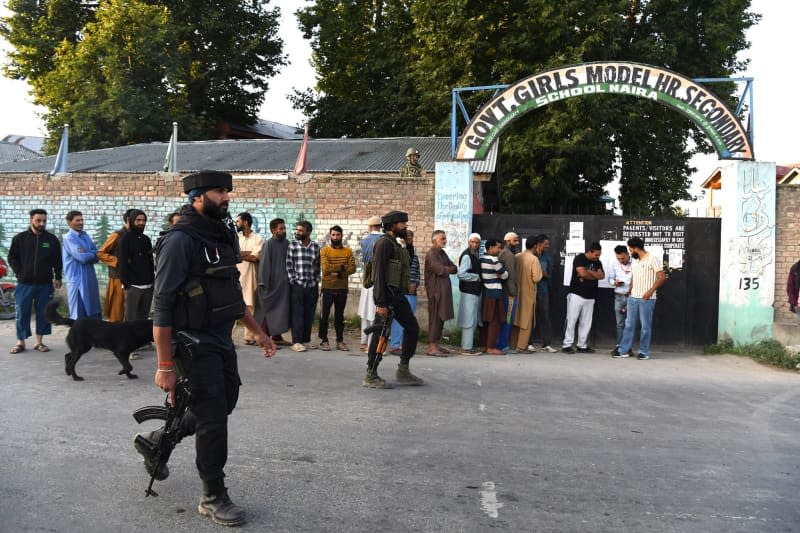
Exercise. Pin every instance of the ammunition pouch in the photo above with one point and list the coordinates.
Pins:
(209, 301)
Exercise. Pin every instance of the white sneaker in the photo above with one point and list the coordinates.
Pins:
(549, 349)
(531, 348)
(297, 347)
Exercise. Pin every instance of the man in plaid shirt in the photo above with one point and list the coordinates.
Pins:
(302, 265)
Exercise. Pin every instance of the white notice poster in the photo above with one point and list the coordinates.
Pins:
(573, 248)
(576, 230)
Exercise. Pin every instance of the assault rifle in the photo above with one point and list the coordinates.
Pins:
(171, 415)
(384, 329)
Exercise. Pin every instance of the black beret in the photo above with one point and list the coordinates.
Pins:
(392, 217)
(207, 179)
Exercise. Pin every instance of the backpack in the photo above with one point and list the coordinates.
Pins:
(367, 279)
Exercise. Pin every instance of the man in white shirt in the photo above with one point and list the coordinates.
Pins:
(250, 244)
(620, 279)
(648, 276)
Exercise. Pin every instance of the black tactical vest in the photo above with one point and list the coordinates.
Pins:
(212, 296)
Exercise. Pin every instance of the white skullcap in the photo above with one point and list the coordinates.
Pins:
(474, 236)
(510, 235)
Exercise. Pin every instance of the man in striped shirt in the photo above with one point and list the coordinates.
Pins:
(492, 274)
(302, 265)
(647, 276)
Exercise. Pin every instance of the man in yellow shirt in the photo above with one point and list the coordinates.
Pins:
(337, 263)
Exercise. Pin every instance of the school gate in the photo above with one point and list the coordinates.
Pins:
(688, 304)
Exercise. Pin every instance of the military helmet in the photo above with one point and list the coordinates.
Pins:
(412, 151)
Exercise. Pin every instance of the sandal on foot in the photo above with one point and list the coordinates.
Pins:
(18, 348)
(250, 343)
(41, 347)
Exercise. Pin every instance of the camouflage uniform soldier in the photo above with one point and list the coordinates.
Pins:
(412, 168)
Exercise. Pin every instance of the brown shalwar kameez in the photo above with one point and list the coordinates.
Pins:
(439, 291)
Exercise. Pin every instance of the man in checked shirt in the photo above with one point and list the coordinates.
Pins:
(302, 265)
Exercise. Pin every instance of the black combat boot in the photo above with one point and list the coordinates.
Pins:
(147, 445)
(216, 504)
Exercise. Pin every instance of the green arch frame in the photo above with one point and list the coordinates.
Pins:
(696, 102)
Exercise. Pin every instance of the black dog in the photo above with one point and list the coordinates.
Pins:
(86, 333)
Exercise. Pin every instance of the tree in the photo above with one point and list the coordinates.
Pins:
(361, 54)
(106, 85)
(103, 230)
(120, 72)
(556, 159)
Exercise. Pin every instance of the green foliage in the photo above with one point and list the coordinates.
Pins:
(121, 71)
(769, 351)
(387, 67)
(361, 54)
(102, 231)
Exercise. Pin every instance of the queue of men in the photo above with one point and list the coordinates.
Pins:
(504, 292)
(273, 287)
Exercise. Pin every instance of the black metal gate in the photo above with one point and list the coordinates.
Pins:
(687, 309)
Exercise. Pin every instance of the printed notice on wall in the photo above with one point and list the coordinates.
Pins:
(675, 259)
(666, 240)
(576, 230)
(573, 248)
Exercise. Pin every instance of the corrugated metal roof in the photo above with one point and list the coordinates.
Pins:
(273, 130)
(28, 141)
(261, 155)
(10, 152)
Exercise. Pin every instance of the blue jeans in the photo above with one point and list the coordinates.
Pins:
(620, 303)
(504, 336)
(397, 330)
(639, 311)
(26, 298)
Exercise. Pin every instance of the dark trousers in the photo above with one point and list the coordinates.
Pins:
(338, 299)
(543, 327)
(27, 297)
(214, 383)
(493, 312)
(137, 303)
(405, 316)
(304, 303)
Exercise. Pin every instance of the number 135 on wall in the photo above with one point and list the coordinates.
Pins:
(746, 284)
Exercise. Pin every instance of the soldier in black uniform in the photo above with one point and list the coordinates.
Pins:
(201, 250)
(390, 270)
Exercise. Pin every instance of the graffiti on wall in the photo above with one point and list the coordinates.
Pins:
(753, 247)
(103, 215)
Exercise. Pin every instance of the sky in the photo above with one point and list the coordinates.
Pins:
(772, 65)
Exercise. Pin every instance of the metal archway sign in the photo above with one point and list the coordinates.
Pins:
(701, 106)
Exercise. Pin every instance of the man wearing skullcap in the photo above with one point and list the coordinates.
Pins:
(366, 303)
(471, 288)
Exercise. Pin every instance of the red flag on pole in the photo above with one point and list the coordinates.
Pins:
(301, 165)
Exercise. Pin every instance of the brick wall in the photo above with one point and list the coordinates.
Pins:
(346, 200)
(787, 245)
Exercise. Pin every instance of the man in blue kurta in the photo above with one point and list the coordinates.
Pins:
(80, 254)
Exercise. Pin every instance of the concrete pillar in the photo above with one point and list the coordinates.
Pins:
(453, 214)
(747, 255)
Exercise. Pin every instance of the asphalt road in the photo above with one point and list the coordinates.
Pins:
(543, 442)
